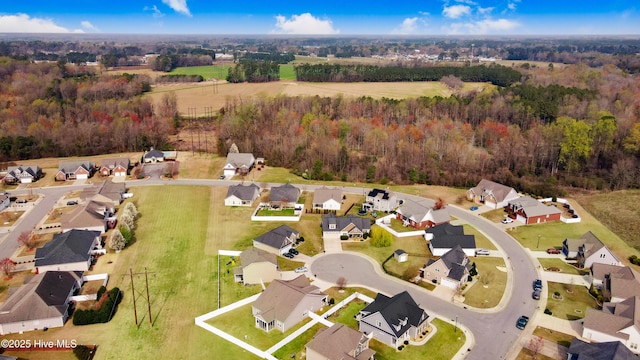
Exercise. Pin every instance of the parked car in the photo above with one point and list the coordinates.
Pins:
(537, 285)
(301, 269)
(294, 251)
(536, 294)
(21, 201)
(222, 177)
(553, 251)
(288, 255)
(522, 322)
(127, 195)
(482, 252)
(507, 220)
(473, 208)
(72, 202)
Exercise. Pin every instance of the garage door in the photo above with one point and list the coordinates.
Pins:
(82, 176)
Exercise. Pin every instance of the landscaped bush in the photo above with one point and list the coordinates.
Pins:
(634, 260)
(548, 312)
(100, 292)
(380, 237)
(344, 237)
(556, 293)
(101, 315)
(400, 347)
(406, 342)
(82, 352)
(332, 301)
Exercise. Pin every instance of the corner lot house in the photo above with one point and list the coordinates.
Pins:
(444, 237)
(350, 226)
(23, 174)
(69, 251)
(92, 215)
(420, 215)
(115, 166)
(615, 322)
(242, 195)
(284, 196)
(43, 302)
(106, 192)
(256, 267)
(327, 199)
(450, 270)
(531, 211)
(277, 241)
(381, 200)
(74, 170)
(613, 350)
(153, 156)
(238, 163)
(392, 320)
(339, 342)
(284, 303)
(492, 194)
(588, 250)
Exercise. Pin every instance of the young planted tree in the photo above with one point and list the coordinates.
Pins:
(27, 239)
(341, 283)
(440, 204)
(116, 241)
(131, 209)
(535, 345)
(126, 218)
(126, 232)
(7, 265)
(380, 237)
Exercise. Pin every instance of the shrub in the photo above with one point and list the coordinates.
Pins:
(344, 237)
(380, 237)
(400, 347)
(101, 291)
(104, 314)
(332, 301)
(126, 232)
(82, 352)
(547, 311)
(634, 260)
(406, 342)
(556, 293)
(365, 235)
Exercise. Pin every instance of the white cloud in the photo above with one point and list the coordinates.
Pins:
(470, 2)
(89, 26)
(456, 11)
(23, 23)
(484, 11)
(409, 26)
(304, 24)
(154, 9)
(481, 27)
(512, 6)
(179, 6)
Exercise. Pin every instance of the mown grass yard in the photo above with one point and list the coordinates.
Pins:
(573, 303)
(557, 337)
(563, 266)
(490, 272)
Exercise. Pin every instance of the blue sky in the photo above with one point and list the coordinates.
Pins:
(345, 17)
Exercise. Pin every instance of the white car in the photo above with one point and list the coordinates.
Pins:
(301, 269)
(127, 195)
(482, 252)
(507, 220)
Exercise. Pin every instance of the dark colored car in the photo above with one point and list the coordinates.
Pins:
(288, 255)
(293, 251)
(473, 208)
(553, 251)
(72, 202)
(522, 322)
(536, 294)
(537, 285)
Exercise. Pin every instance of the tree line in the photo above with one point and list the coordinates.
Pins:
(254, 71)
(495, 74)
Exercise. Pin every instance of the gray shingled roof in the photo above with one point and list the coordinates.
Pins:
(254, 255)
(395, 310)
(457, 263)
(71, 166)
(278, 237)
(339, 342)
(243, 192)
(284, 193)
(614, 317)
(153, 153)
(445, 229)
(322, 195)
(112, 163)
(240, 160)
(32, 170)
(69, 247)
(44, 296)
(612, 350)
(487, 187)
(280, 298)
(533, 207)
(342, 222)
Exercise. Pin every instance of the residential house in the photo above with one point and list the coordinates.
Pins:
(74, 170)
(450, 270)
(238, 163)
(91, 215)
(612, 350)
(256, 267)
(588, 250)
(153, 156)
(284, 196)
(381, 200)
(344, 226)
(400, 255)
(5, 200)
(615, 322)
(242, 195)
(115, 166)
(492, 194)
(284, 303)
(42, 302)
(277, 241)
(24, 174)
(531, 211)
(69, 251)
(327, 199)
(106, 192)
(392, 320)
(339, 342)
(444, 237)
(419, 214)
(616, 282)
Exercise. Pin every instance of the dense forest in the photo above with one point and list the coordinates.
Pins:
(575, 126)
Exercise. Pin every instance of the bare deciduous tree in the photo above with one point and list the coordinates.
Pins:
(341, 283)
(7, 266)
(27, 239)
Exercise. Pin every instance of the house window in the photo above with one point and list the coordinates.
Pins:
(378, 324)
(602, 256)
(437, 269)
(332, 226)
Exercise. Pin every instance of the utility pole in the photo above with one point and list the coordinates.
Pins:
(146, 279)
(133, 291)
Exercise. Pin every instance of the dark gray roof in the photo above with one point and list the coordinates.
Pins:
(399, 252)
(112, 163)
(613, 350)
(153, 153)
(277, 238)
(33, 170)
(243, 192)
(445, 229)
(383, 194)
(286, 192)
(457, 262)
(342, 222)
(71, 166)
(450, 241)
(395, 310)
(69, 247)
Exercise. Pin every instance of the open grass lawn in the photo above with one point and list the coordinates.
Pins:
(16, 279)
(398, 226)
(199, 166)
(444, 344)
(563, 266)
(487, 297)
(557, 337)
(346, 315)
(295, 348)
(526, 354)
(481, 241)
(269, 212)
(552, 234)
(40, 240)
(619, 211)
(338, 296)
(411, 244)
(287, 72)
(207, 72)
(574, 303)
(8, 218)
(495, 215)
(285, 264)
